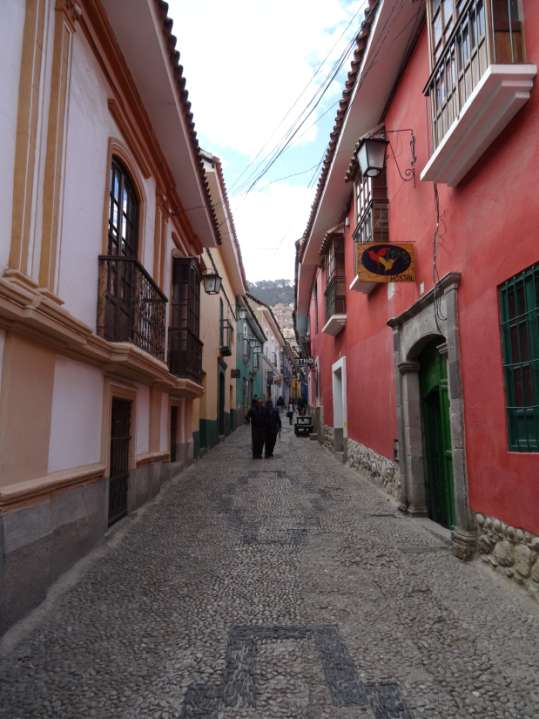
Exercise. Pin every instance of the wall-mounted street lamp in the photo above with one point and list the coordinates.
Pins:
(242, 313)
(212, 283)
(371, 155)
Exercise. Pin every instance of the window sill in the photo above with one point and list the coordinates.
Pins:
(499, 95)
(334, 325)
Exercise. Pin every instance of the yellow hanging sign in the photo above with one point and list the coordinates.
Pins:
(386, 262)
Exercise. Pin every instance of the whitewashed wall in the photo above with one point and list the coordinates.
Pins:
(143, 420)
(76, 415)
(90, 126)
(12, 14)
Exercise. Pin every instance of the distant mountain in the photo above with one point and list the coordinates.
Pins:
(273, 292)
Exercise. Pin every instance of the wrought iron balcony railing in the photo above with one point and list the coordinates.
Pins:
(184, 353)
(131, 308)
(488, 32)
(335, 296)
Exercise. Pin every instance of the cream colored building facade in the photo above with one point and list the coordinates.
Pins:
(100, 362)
(217, 409)
(275, 383)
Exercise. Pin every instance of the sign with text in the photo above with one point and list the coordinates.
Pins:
(386, 262)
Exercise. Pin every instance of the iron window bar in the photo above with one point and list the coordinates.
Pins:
(184, 353)
(226, 335)
(335, 296)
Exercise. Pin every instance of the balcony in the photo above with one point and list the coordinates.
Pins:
(131, 308)
(373, 226)
(184, 354)
(335, 306)
(226, 338)
(477, 86)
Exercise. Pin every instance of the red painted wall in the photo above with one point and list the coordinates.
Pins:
(489, 233)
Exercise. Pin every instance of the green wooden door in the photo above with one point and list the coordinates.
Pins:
(437, 437)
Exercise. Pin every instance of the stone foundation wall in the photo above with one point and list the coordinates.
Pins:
(512, 552)
(327, 436)
(381, 470)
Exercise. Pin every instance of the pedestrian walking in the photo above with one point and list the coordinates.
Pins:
(280, 403)
(290, 412)
(273, 427)
(257, 417)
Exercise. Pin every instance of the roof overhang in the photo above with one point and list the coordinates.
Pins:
(230, 249)
(141, 34)
(393, 31)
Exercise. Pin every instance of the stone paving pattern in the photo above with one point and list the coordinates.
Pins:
(283, 588)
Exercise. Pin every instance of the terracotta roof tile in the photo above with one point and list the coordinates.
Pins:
(230, 216)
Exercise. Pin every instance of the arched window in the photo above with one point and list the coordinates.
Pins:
(123, 212)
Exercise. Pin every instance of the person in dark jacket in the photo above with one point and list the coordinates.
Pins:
(273, 427)
(257, 417)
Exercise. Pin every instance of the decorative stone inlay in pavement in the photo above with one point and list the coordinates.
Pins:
(282, 589)
(238, 687)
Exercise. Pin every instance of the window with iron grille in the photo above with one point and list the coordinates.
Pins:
(185, 347)
(335, 288)
(466, 36)
(371, 209)
(519, 309)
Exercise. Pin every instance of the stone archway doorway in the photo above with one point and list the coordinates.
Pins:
(432, 320)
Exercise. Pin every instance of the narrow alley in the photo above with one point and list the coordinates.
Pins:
(288, 587)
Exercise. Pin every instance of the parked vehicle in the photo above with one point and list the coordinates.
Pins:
(303, 426)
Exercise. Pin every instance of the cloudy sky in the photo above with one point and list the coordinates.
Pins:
(254, 69)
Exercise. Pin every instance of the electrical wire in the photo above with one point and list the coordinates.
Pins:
(309, 109)
(298, 98)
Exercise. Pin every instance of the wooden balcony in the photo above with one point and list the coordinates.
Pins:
(477, 86)
(335, 306)
(184, 354)
(373, 226)
(131, 308)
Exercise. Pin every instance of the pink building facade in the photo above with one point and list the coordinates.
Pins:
(432, 385)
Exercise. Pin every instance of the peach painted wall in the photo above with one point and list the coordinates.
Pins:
(143, 420)
(76, 415)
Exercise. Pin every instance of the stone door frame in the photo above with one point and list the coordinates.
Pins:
(416, 327)
(339, 433)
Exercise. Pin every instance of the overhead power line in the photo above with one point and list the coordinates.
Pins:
(315, 74)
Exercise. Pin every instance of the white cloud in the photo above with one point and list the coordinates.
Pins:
(268, 224)
(246, 61)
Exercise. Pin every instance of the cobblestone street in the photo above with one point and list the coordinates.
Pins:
(282, 588)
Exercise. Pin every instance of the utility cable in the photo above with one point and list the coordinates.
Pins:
(298, 98)
(271, 161)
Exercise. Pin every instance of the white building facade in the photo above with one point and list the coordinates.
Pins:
(100, 359)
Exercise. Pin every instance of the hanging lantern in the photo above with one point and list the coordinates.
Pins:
(242, 313)
(212, 283)
(371, 156)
